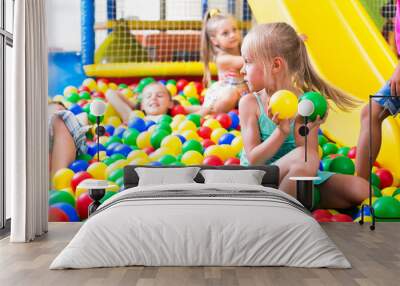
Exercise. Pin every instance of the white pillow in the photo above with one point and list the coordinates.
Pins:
(166, 176)
(248, 177)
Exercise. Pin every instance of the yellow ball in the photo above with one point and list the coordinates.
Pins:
(137, 113)
(190, 91)
(143, 140)
(217, 133)
(79, 191)
(113, 86)
(285, 103)
(152, 128)
(97, 170)
(388, 192)
(192, 158)
(116, 165)
(185, 103)
(212, 123)
(190, 135)
(102, 86)
(227, 151)
(171, 88)
(187, 125)
(69, 89)
(90, 83)
(62, 178)
(214, 150)
(114, 121)
(162, 151)
(139, 161)
(173, 143)
(137, 154)
(102, 155)
(110, 111)
(320, 152)
(237, 144)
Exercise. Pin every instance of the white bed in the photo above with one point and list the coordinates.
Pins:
(203, 225)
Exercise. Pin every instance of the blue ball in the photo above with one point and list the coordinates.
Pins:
(138, 123)
(162, 81)
(149, 123)
(321, 166)
(183, 139)
(123, 150)
(78, 166)
(111, 147)
(119, 131)
(227, 138)
(320, 132)
(110, 129)
(235, 119)
(76, 109)
(92, 149)
(155, 164)
(68, 210)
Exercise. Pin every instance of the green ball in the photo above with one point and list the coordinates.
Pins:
(171, 81)
(177, 163)
(179, 158)
(343, 151)
(387, 207)
(116, 174)
(192, 145)
(73, 97)
(157, 137)
(377, 191)
(116, 157)
(146, 81)
(61, 197)
(85, 157)
(342, 165)
(166, 118)
(376, 181)
(86, 108)
(120, 181)
(84, 95)
(122, 86)
(195, 118)
(130, 136)
(92, 118)
(194, 101)
(320, 104)
(167, 159)
(112, 139)
(138, 89)
(107, 196)
(108, 161)
(322, 140)
(326, 163)
(164, 126)
(329, 148)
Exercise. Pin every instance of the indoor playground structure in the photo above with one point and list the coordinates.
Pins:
(125, 48)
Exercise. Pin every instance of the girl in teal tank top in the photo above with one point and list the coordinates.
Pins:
(276, 59)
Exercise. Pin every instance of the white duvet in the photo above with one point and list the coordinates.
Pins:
(185, 230)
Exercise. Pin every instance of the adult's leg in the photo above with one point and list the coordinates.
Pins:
(64, 150)
(343, 191)
(293, 165)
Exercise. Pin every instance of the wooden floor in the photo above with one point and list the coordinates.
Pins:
(375, 257)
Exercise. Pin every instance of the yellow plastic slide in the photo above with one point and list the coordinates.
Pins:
(348, 51)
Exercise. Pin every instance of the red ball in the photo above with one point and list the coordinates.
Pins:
(57, 215)
(323, 219)
(83, 88)
(207, 142)
(232, 161)
(91, 161)
(341, 218)
(148, 150)
(321, 214)
(79, 177)
(238, 128)
(199, 87)
(212, 161)
(177, 109)
(386, 178)
(82, 204)
(98, 94)
(103, 80)
(201, 99)
(180, 85)
(82, 102)
(224, 119)
(376, 164)
(204, 132)
(352, 152)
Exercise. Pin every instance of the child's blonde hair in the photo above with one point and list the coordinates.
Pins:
(210, 25)
(267, 41)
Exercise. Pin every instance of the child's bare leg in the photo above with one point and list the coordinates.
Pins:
(64, 150)
(362, 160)
(120, 105)
(227, 101)
(293, 165)
(343, 191)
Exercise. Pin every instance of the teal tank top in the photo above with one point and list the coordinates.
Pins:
(266, 127)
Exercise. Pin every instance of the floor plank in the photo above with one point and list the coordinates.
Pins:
(375, 257)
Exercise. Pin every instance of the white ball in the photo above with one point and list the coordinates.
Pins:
(305, 107)
(97, 108)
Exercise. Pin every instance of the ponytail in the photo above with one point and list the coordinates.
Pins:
(311, 81)
(206, 50)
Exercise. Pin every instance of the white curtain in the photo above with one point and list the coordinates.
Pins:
(26, 124)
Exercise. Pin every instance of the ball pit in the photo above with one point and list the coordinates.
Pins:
(179, 139)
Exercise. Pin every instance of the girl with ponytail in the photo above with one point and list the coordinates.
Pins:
(276, 59)
(220, 43)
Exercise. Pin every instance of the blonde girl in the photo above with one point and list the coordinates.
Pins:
(276, 58)
(220, 42)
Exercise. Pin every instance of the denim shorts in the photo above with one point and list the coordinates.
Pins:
(392, 104)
